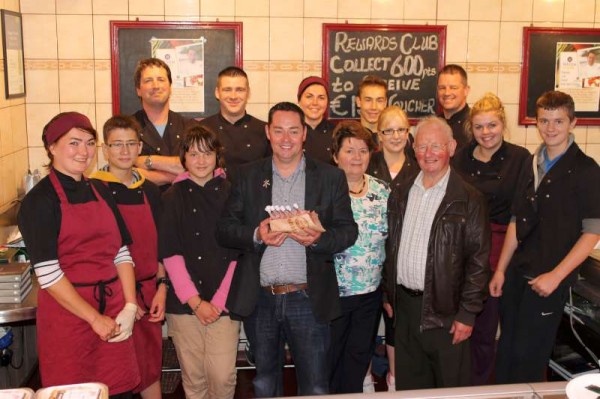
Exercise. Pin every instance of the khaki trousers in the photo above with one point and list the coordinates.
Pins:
(207, 355)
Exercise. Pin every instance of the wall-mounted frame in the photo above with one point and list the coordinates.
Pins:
(14, 60)
(194, 51)
(407, 57)
(565, 59)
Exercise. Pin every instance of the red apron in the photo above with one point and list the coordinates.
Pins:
(147, 336)
(498, 234)
(70, 352)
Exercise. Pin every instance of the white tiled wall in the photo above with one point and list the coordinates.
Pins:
(67, 53)
(13, 137)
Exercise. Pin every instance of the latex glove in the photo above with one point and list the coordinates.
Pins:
(125, 319)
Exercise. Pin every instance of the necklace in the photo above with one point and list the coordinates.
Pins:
(364, 183)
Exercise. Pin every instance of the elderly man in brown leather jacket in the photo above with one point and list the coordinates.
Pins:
(436, 271)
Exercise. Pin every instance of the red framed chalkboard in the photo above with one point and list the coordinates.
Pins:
(407, 57)
(556, 59)
(216, 45)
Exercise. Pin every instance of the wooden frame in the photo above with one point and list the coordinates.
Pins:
(14, 59)
(407, 57)
(132, 41)
(551, 61)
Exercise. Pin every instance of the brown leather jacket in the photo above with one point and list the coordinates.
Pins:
(457, 270)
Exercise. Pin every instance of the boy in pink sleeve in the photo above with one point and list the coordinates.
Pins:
(200, 270)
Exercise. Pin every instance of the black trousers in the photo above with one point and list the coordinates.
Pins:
(528, 325)
(483, 342)
(426, 359)
(353, 341)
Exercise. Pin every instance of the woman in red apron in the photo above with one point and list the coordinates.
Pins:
(77, 244)
(138, 201)
(493, 166)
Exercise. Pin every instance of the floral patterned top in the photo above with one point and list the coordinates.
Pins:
(358, 268)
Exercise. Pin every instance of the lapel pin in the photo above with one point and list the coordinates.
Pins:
(266, 183)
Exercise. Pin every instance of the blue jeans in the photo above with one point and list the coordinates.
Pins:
(288, 318)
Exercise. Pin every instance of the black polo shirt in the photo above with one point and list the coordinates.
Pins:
(457, 123)
(378, 167)
(243, 141)
(187, 228)
(549, 219)
(318, 144)
(168, 144)
(495, 179)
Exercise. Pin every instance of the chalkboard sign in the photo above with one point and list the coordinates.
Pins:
(555, 59)
(194, 51)
(407, 57)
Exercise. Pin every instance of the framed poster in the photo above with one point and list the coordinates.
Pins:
(565, 59)
(194, 51)
(407, 57)
(14, 60)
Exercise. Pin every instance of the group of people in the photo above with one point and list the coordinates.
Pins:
(444, 231)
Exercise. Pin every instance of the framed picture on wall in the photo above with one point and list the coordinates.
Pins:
(14, 60)
(194, 51)
(565, 59)
(407, 57)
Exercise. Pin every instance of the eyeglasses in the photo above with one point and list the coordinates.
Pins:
(390, 131)
(435, 148)
(119, 145)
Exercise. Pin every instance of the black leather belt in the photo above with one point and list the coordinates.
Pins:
(281, 289)
(411, 292)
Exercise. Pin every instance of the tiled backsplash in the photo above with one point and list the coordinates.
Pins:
(67, 54)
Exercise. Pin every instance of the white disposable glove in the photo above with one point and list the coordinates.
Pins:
(125, 320)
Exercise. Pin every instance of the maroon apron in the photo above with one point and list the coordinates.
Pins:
(498, 234)
(147, 336)
(70, 351)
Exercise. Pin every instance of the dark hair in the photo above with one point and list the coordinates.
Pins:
(146, 63)
(351, 129)
(554, 99)
(231, 72)
(372, 80)
(289, 107)
(120, 122)
(203, 138)
(88, 129)
(452, 69)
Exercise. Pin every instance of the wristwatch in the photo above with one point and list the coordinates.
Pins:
(163, 280)
(148, 162)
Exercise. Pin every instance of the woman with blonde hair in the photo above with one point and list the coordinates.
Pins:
(396, 159)
(493, 166)
(394, 163)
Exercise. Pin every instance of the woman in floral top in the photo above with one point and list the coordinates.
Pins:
(358, 268)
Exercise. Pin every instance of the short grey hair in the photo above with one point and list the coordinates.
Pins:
(434, 120)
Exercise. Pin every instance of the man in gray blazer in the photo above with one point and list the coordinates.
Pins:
(285, 287)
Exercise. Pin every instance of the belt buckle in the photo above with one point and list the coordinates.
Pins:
(272, 289)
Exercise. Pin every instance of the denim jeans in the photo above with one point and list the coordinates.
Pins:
(278, 319)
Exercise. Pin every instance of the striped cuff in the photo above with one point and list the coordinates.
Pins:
(123, 256)
(48, 273)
